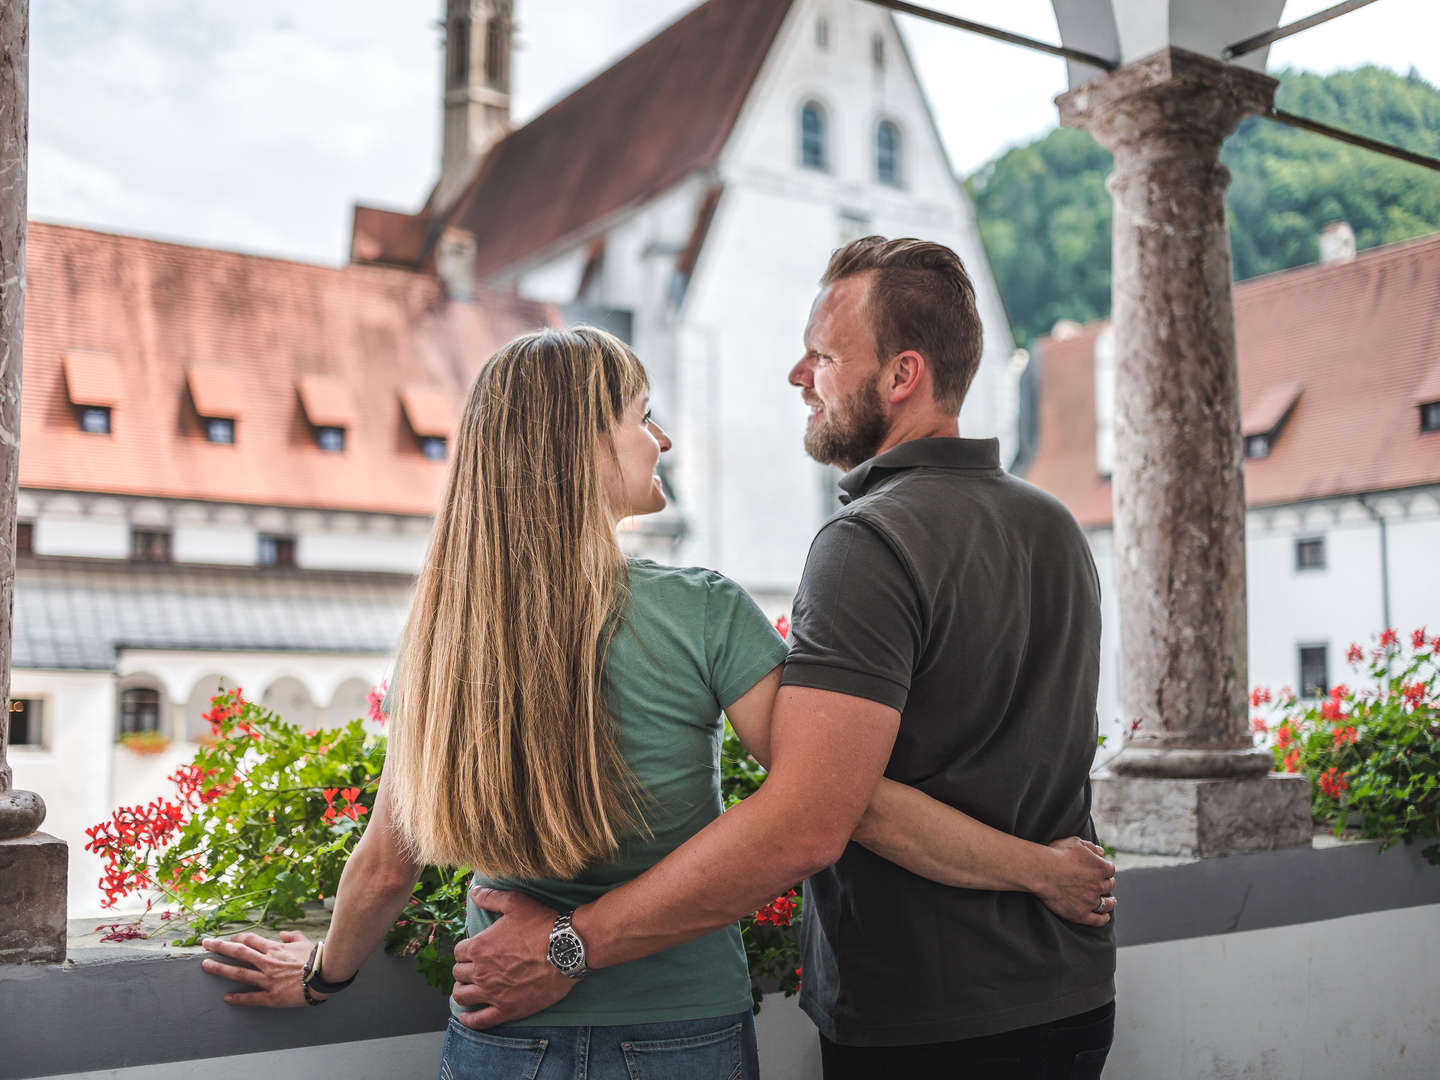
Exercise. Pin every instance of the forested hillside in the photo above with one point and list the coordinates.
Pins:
(1045, 214)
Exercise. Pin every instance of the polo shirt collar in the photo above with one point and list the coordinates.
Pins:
(941, 453)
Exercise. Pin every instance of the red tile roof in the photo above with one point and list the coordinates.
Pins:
(1361, 338)
(216, 391)
(163, 310)
(432, 411)
(660, 114)
(327, 400)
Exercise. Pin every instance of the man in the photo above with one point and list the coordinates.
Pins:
(946, 634)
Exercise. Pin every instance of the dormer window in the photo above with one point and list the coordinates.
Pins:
(1430, 416)
(95, 420)
(330, 409)
(431, 413)
(92, 381)
(1263, 416)
(217, 394)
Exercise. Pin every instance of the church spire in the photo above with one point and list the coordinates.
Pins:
(477, 89)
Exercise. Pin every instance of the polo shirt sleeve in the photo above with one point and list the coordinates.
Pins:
(741, 645)
(858, 626)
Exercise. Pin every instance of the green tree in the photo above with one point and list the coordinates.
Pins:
(1045, 215)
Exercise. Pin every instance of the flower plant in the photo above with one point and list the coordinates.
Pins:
(1372, 752)
(265, 815)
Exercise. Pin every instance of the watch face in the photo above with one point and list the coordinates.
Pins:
(566, 952)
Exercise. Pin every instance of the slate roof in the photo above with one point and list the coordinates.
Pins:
(160, 312)
(75, 613)
(658, 115)
(1354, 345)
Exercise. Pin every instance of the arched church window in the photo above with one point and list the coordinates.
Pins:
(812, 136)
(887, 153)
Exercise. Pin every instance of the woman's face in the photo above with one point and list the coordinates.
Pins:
(632, 481)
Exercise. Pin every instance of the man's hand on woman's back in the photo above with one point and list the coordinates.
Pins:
(1075, 879)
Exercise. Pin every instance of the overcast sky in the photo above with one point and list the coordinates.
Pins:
(255, 126)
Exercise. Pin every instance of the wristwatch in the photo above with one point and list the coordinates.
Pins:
(567, 951)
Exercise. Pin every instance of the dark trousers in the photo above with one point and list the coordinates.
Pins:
(1069, 1049)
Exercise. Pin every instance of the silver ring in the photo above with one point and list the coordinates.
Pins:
(1101, 907)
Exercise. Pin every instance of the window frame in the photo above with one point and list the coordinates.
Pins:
(812, 106)
(1262, 439)
(100, 411)
(142, 554)
(1324, 649)
(210, 431)
(1429, 417)
(1307, 542)
(322, 431)
(24, 538)
(43, 744)
(123, 714)
(894, 180)
(428, 441)
(282, 550)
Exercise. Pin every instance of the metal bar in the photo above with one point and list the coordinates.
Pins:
(998, 34)
(1259, 41)
(1281, 117)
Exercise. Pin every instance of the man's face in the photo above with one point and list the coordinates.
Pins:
(839, 377)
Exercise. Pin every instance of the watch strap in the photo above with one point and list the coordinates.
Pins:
(312, 980)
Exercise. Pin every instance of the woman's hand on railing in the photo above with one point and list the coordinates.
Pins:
(273, 972)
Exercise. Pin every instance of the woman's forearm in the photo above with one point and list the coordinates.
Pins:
(936, 841)
(370, 899)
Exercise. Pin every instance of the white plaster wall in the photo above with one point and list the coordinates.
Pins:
(1415, 572)
(226, 545)
(73, 774)
(1334, 1000)
(82, 536)
(344, 550)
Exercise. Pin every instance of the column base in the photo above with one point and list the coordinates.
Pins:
(1202, 817)
(33, 871)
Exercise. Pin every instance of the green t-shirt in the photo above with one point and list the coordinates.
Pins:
(691, 642)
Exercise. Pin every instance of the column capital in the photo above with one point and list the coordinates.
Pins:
(1173, 97)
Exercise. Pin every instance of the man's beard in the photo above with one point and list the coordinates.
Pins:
(852, 433)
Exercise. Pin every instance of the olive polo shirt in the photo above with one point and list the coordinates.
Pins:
(968, 600)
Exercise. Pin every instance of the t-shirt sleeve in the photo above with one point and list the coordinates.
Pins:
(741, 646)
(858, 626)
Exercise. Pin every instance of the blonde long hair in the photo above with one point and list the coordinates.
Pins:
(503, 755)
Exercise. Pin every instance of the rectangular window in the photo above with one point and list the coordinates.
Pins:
(1310, 553)
(1430, 416)
(24, 538)
(1257, 446)
(220, 430)
(433, 447)
(149, 545)
(95, 420)
(822, 32)
(1314, 671)
(330, 439)
(277, 550)
(139, 710)
(27, 722)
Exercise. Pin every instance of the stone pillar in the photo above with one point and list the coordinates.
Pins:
(32, 865)
(1190, 782)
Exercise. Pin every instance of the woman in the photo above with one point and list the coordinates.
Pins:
(555, 725)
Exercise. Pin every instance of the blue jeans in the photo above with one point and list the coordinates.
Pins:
(718, 1048)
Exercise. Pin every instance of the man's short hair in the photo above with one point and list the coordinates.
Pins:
(920, 298)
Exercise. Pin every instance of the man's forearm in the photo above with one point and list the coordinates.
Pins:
(739, 862)
(936, 841)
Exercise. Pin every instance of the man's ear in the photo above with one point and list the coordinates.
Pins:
(908, 372)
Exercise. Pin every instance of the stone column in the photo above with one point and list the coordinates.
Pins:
(32, 865)
(1190, 782)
